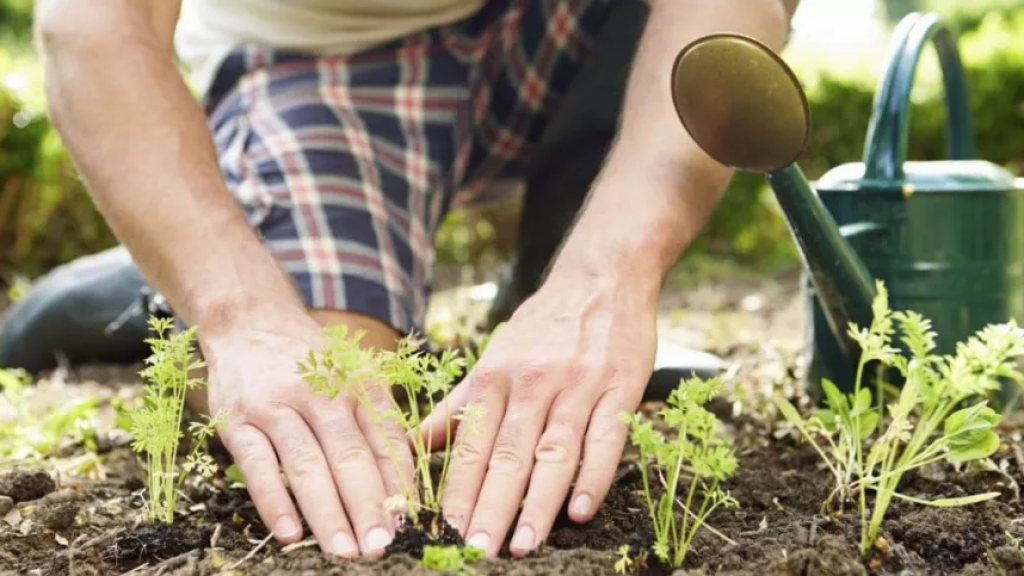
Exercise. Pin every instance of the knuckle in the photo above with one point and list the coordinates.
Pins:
(305, 460)
(587, 368)
(556, 445)
(606, 434)
(532, 374)
(487, 379)
(468, 453)
(263, 412)
(505, 457)
(353, 454)
(380, 394)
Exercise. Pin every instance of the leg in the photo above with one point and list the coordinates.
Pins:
(569, 155)
(337, 172)
(562, 167)
(90, 310)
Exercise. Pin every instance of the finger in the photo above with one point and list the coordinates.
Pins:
(602, 451)
(312, 483)
(508, 471)
(472, 447)
(434, 428)
(255, 458)
(390, 450)
(356, 475)
(555, 463)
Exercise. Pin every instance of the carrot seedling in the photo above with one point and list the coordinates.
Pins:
(941, 414)
(156, 424)
(451, 559)
(699, 447)
(369, 375)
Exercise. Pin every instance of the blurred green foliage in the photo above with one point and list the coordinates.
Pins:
(967, 15)
(47, 218)
(893, 10)
(963, 15)
(15, 21)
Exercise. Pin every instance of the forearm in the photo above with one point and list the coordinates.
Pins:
(657, 188)
(140, 141)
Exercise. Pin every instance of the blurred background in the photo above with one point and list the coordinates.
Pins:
(837, 49)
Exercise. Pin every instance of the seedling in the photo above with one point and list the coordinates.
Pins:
(699, 446)
(451, 559)
(30, 431)
(624, 564)
(941, 414)
(156, 424)
(345, 366)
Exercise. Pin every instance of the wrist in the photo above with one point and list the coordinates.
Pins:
(226, 302)
(221, 314)
(609, 258)
(640, 218)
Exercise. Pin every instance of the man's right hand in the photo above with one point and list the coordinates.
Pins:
(334, 459)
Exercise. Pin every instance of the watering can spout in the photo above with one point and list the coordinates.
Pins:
(746, 109)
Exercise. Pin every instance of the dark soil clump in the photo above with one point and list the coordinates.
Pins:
(25, 485)
(432, 529)
(155, 542)
(56, 517)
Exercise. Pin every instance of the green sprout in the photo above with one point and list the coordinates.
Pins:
(156, 424)
(941, 413)
(623, 563)
(701, 448)
(30, 432)
(366, 374)
(451, 559)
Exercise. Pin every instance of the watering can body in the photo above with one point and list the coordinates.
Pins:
(946, 236)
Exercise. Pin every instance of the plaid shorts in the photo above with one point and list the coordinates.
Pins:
(345, 165)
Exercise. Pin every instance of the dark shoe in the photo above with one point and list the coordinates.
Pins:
(91, 310)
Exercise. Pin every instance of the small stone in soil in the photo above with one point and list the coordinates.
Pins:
(56, 517)
(24, 485)
(62, 497)
(6, 503)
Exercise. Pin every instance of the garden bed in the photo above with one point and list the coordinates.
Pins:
(81, 518)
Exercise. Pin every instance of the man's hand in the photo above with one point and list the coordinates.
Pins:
(551, 384)
(326, 447)
(581, 350)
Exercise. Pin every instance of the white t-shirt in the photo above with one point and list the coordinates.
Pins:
(209, 29)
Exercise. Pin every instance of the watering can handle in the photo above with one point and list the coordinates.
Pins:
(886, 147)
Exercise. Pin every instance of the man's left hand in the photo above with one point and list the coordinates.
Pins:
(551, 383)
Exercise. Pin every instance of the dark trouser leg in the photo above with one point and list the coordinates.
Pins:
(570, 154)
(81, 311)
(565, 163)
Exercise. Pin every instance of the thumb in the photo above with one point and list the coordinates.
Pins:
(433, 429)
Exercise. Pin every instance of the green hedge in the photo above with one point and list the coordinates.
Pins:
(47, 218)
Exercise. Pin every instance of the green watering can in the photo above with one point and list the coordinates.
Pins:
(946, 237)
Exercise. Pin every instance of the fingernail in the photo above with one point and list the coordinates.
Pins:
(523, 540)
(377, 539)
(286, 527)
(344, 545)
(582, 505)
(481, 541)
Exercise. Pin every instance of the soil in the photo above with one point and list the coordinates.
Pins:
(84, 523)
